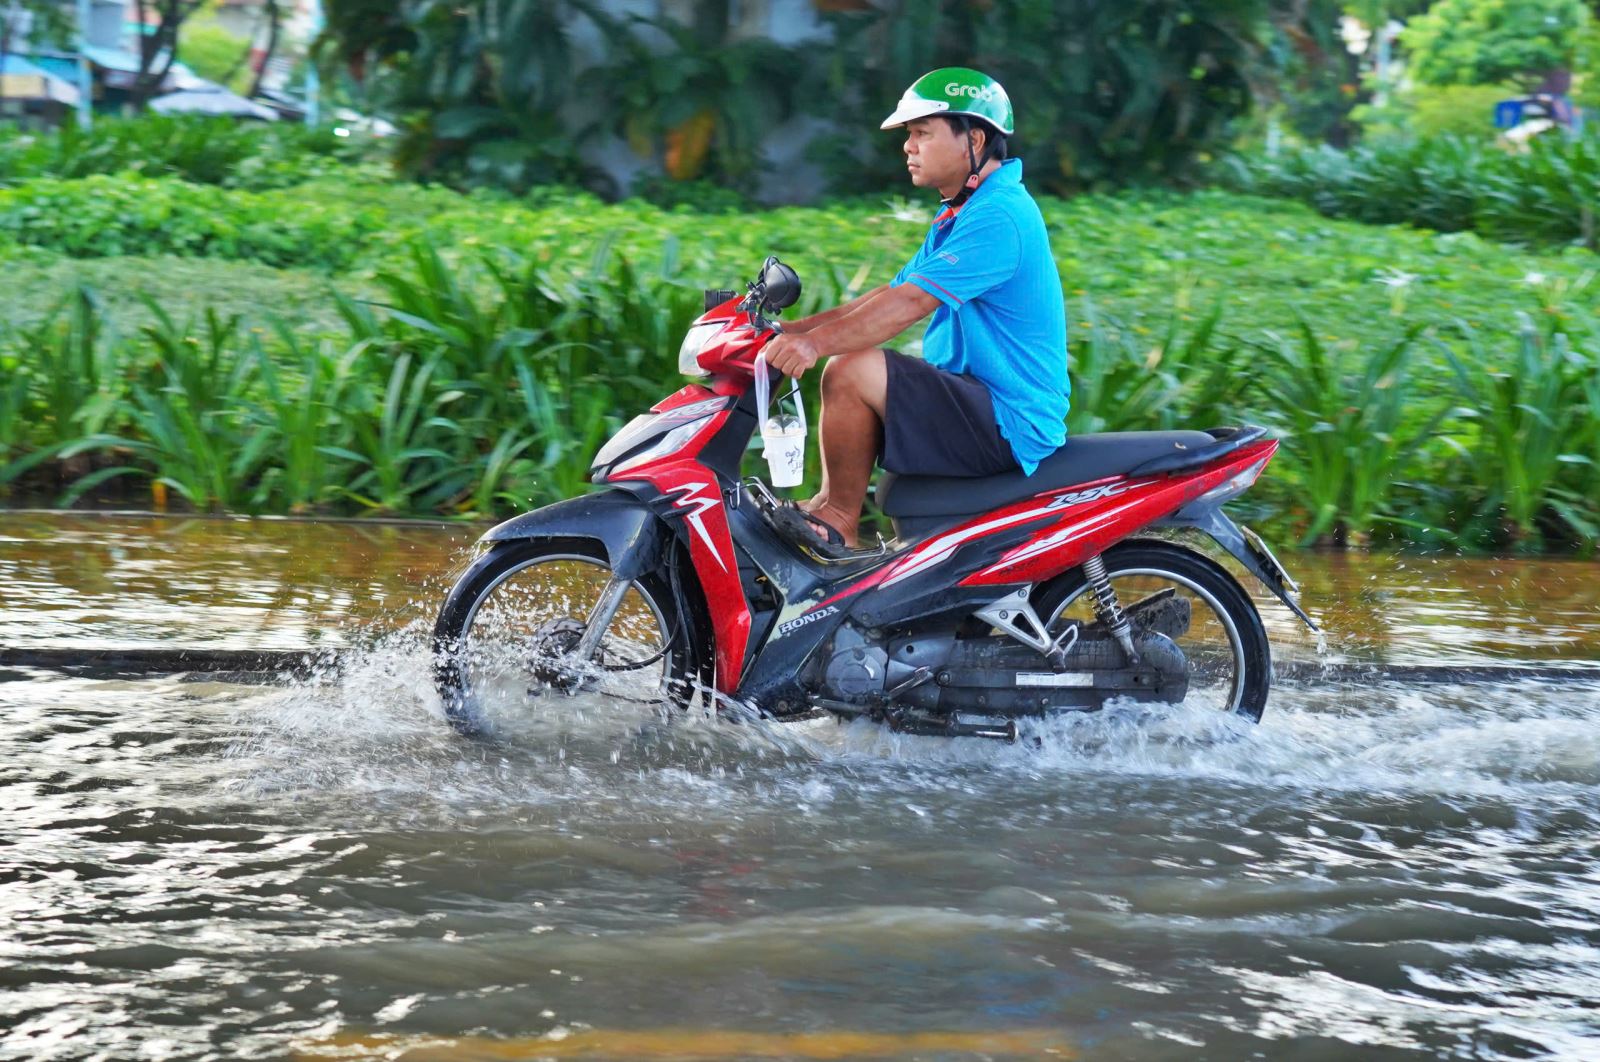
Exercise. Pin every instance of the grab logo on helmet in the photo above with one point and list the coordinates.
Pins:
(971, 90)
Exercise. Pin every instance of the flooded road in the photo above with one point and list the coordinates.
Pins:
(204, 869)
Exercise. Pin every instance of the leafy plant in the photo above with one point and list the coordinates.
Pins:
(1455, 110)
(69, 387)
(1526, 405)
(208, 49)
(1127, 378)
(696, 99)
(102, 215)
(198, 149)
(313, 460)
(13, 411)
(1344, 411)
(486, 85)
(1546, 194)
(401, 435)
(190, 432)
(1114, 92)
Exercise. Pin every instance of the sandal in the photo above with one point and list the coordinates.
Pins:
(808, 531)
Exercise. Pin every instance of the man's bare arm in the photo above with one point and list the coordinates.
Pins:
(873, 324)
(876, 322)
(806, 324)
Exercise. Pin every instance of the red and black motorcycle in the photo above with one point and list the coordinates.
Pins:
(998, 598)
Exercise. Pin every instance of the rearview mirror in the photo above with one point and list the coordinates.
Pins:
(780, 285)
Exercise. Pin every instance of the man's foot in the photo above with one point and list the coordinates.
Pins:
(812, 532)
(845, 524)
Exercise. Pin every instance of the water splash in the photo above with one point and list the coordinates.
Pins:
(375, 724)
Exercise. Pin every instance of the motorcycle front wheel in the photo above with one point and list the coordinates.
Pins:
(1225, 645)
(506, 657)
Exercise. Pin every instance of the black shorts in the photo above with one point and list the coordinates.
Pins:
(940, 423)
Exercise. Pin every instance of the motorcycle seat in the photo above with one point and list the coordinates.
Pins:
(922, 503)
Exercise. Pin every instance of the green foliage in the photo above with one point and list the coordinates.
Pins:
(486, 85)
(194, 426)
(1476, 42)
(486, 346)
(463, 390)
(63, 387)
(217, 151)
(537, 368)
(1349, 427)
(1104, 93)
(1546, 194)
(698, 196)
(1531, 409)
(304, 402)
(1316, 79)
(1465, 111)
(214, 53)
(1261, 256)
(1434, 112)
(700, 102)
(36, 278)
(1132, 381)
(106, 215)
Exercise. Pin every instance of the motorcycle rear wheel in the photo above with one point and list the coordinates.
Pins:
(1226, 646)
(504, 638)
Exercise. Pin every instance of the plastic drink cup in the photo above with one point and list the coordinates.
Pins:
(784, 439)
(783, 435)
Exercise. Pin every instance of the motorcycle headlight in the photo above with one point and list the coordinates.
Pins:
(693, 343)
(663, 431)
(673, 440)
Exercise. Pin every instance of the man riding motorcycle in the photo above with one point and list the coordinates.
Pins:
(1023, 579)
(990, 393)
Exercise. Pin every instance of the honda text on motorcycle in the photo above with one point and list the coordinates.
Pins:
(998, 598)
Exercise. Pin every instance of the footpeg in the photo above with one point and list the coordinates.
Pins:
(769, 507)
(923, 726)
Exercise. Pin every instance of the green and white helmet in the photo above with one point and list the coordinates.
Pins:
(954, 90)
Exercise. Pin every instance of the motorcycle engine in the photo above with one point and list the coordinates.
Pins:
(997, 675)
(856, 669)
(860, 667)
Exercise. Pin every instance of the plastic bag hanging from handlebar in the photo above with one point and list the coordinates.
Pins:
(764, 394)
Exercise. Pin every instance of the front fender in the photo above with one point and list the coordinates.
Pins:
(633, 537)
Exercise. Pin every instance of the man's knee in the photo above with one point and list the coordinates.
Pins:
(860, 374)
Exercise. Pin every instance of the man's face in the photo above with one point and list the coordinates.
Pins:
(936, 155)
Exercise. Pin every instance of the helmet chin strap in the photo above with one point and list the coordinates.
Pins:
(974, 164)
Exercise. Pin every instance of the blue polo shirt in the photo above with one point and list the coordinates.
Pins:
(1001, 316)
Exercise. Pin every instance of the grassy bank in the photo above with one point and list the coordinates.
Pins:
(1543, 194)
(1430, 387)
(1137, 254)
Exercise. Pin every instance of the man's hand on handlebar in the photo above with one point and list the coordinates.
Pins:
(792, 354)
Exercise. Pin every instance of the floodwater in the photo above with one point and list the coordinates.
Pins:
(318, 869)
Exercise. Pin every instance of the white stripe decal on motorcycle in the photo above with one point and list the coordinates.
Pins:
(1060, 538)
(701, 504)
(938, 551)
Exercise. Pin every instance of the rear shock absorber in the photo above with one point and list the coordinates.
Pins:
(1107, 607)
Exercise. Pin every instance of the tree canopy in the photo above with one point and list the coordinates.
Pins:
(503, 90)
(1477, 42)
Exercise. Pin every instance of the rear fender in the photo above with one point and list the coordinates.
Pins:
(633, 537)
(1257, 559)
